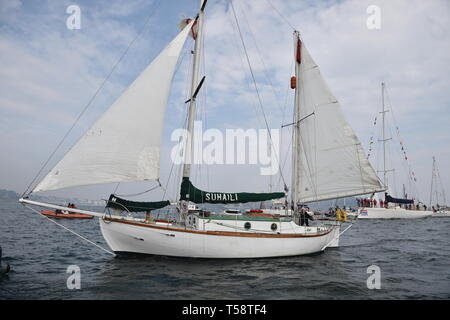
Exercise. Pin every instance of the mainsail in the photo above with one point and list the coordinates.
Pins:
(190, 193)
(330, 162)
(124, 144)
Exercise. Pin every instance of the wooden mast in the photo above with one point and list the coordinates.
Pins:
(296, 145)
(197, 31)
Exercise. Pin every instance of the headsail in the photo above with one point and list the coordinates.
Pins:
(190, 193)
(331, 162)
(124, 144)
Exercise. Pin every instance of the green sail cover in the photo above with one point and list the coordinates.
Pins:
(190, 193)
(133, 206)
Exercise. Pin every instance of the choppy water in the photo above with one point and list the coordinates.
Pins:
(413, 256)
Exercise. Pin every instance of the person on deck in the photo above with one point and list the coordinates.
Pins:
(305, 217)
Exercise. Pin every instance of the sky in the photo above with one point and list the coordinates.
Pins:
(48, 73)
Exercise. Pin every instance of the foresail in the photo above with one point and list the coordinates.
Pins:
(124, 144)
(331, 161)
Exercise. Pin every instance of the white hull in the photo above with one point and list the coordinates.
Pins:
(217, 238)
(392, 213)
(141, 238)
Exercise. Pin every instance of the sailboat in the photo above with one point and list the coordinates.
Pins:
(390, 207)
(437, 194)
(123, 145)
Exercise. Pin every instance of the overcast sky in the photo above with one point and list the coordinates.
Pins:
(48, 73)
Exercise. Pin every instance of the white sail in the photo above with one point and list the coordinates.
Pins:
(124, 144)
(331, 162)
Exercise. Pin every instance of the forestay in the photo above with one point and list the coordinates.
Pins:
(331, 162)
(124, 144)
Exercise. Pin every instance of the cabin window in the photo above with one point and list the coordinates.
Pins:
(247, 225)
(274, 227)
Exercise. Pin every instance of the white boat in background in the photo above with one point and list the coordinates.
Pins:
(390, 207)
(441, 213)
(392, 213)
(124, 146)
(437, 194)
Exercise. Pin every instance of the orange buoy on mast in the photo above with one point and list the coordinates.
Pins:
(293, 82)
(298, 58)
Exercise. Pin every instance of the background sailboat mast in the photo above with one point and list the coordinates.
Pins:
(296, 146)
(384, 139)
(189, 149)
(433, 177)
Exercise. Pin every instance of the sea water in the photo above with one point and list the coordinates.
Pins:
(411, 259)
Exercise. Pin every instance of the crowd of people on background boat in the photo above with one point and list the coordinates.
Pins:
(372, 203)
(368, 203)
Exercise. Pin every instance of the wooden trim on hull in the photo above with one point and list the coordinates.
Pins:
(222, 233)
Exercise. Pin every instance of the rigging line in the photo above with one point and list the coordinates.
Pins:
(289, 130)
(171, 168)
(241, 60)
(93, 97)
(117, 187)
(257, 91)
(140, 193)
(78, 235)
(262, 60)
(287, 156)
(204, 98)
(396, 125)
(440, 184)
(184, 124)
(243, 68)
(286, 96)
(187, 93)
(281, 15)
(406, 170)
